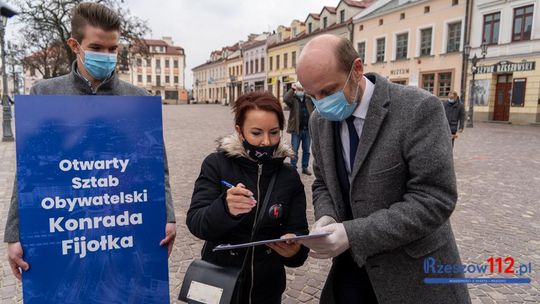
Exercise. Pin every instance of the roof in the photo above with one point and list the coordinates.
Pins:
(381, 7)
(314, 16)
(330, 9)
(208, 63)
(314, 33)
(359, 4)
(253, 44)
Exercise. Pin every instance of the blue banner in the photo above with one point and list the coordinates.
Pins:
(91, 199)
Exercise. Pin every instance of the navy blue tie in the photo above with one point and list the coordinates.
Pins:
(354, 140)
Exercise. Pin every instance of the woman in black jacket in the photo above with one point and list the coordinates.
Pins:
(221, 215)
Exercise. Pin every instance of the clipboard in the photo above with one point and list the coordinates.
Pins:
(263, 242)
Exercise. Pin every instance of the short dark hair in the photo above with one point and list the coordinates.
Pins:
(345, 55)
(257, 101)
(94, 14)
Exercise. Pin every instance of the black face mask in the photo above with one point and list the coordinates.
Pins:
(261, 154)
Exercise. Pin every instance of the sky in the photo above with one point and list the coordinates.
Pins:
(201, 26)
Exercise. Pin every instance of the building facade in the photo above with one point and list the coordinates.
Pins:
(254, 61)
(284, 49)
(414, 42)
(235, 69)
(282, 54)
(161, 72)
(507, 81)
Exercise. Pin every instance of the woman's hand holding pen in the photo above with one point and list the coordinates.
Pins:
(240, 200)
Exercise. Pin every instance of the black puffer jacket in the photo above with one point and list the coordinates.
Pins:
(208, 217)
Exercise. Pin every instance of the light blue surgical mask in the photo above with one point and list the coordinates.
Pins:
(300, 94)
(99, 65)
(335, 107)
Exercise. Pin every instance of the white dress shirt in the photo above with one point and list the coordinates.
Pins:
(359, 118)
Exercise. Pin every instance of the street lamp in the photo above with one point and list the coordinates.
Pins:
(5, 12)
(474, 62)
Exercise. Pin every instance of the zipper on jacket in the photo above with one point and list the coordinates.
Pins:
(259, 174)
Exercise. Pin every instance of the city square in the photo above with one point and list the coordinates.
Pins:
(496, 215)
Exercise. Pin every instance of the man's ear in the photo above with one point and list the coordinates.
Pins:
(74, 45)
(358, 67)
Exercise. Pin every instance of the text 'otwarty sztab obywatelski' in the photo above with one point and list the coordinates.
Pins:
(81, 245)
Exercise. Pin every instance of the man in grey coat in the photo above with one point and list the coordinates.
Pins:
(95, 36)
(384, 184)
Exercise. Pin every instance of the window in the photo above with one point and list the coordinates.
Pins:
(158, 63)
(158, 80)
(167, 79)
(176, 79)
(175, 62)
(285, 60)
(454, 37)
(428, 82)
(426, 9)
(309, 27)
(262, 64)
(381, 45)
(362, 51)
(445, 84)
(256, 65)
(523, 17)
(139, 78)
(438, 83)
(325, 22)
(491, 28)
(425, 41)
(171, 95)
(271, 63)
(518, 92)
(342, 16)
(149, 78)
(381, 22)
(361, 27)
(247, 67)
(148, 62)
(293, 59)
(294, 31)
(166, 63)
(400, 81)
(402, 40)
(139, 61)
(251, 66)
(455, 2)
(401, 16)
(277, 62)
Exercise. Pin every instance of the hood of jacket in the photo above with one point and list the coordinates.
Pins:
(232, 146)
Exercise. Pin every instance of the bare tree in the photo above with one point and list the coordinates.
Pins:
(46, 25)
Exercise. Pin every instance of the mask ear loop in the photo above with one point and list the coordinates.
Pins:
(357, 85)
(80, 47)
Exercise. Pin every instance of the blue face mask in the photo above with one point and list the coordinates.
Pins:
(335, 107)
(299, 94)
(99, 65)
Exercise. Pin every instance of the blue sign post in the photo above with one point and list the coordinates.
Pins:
(91, 199)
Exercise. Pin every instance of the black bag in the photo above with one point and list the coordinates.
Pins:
(208, 283)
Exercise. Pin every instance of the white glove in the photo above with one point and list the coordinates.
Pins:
(323, 221)
(329, 246)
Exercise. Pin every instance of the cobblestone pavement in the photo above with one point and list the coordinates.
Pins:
(498, 171)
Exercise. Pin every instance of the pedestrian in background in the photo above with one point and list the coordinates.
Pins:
(455, 114)
(301, 107)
